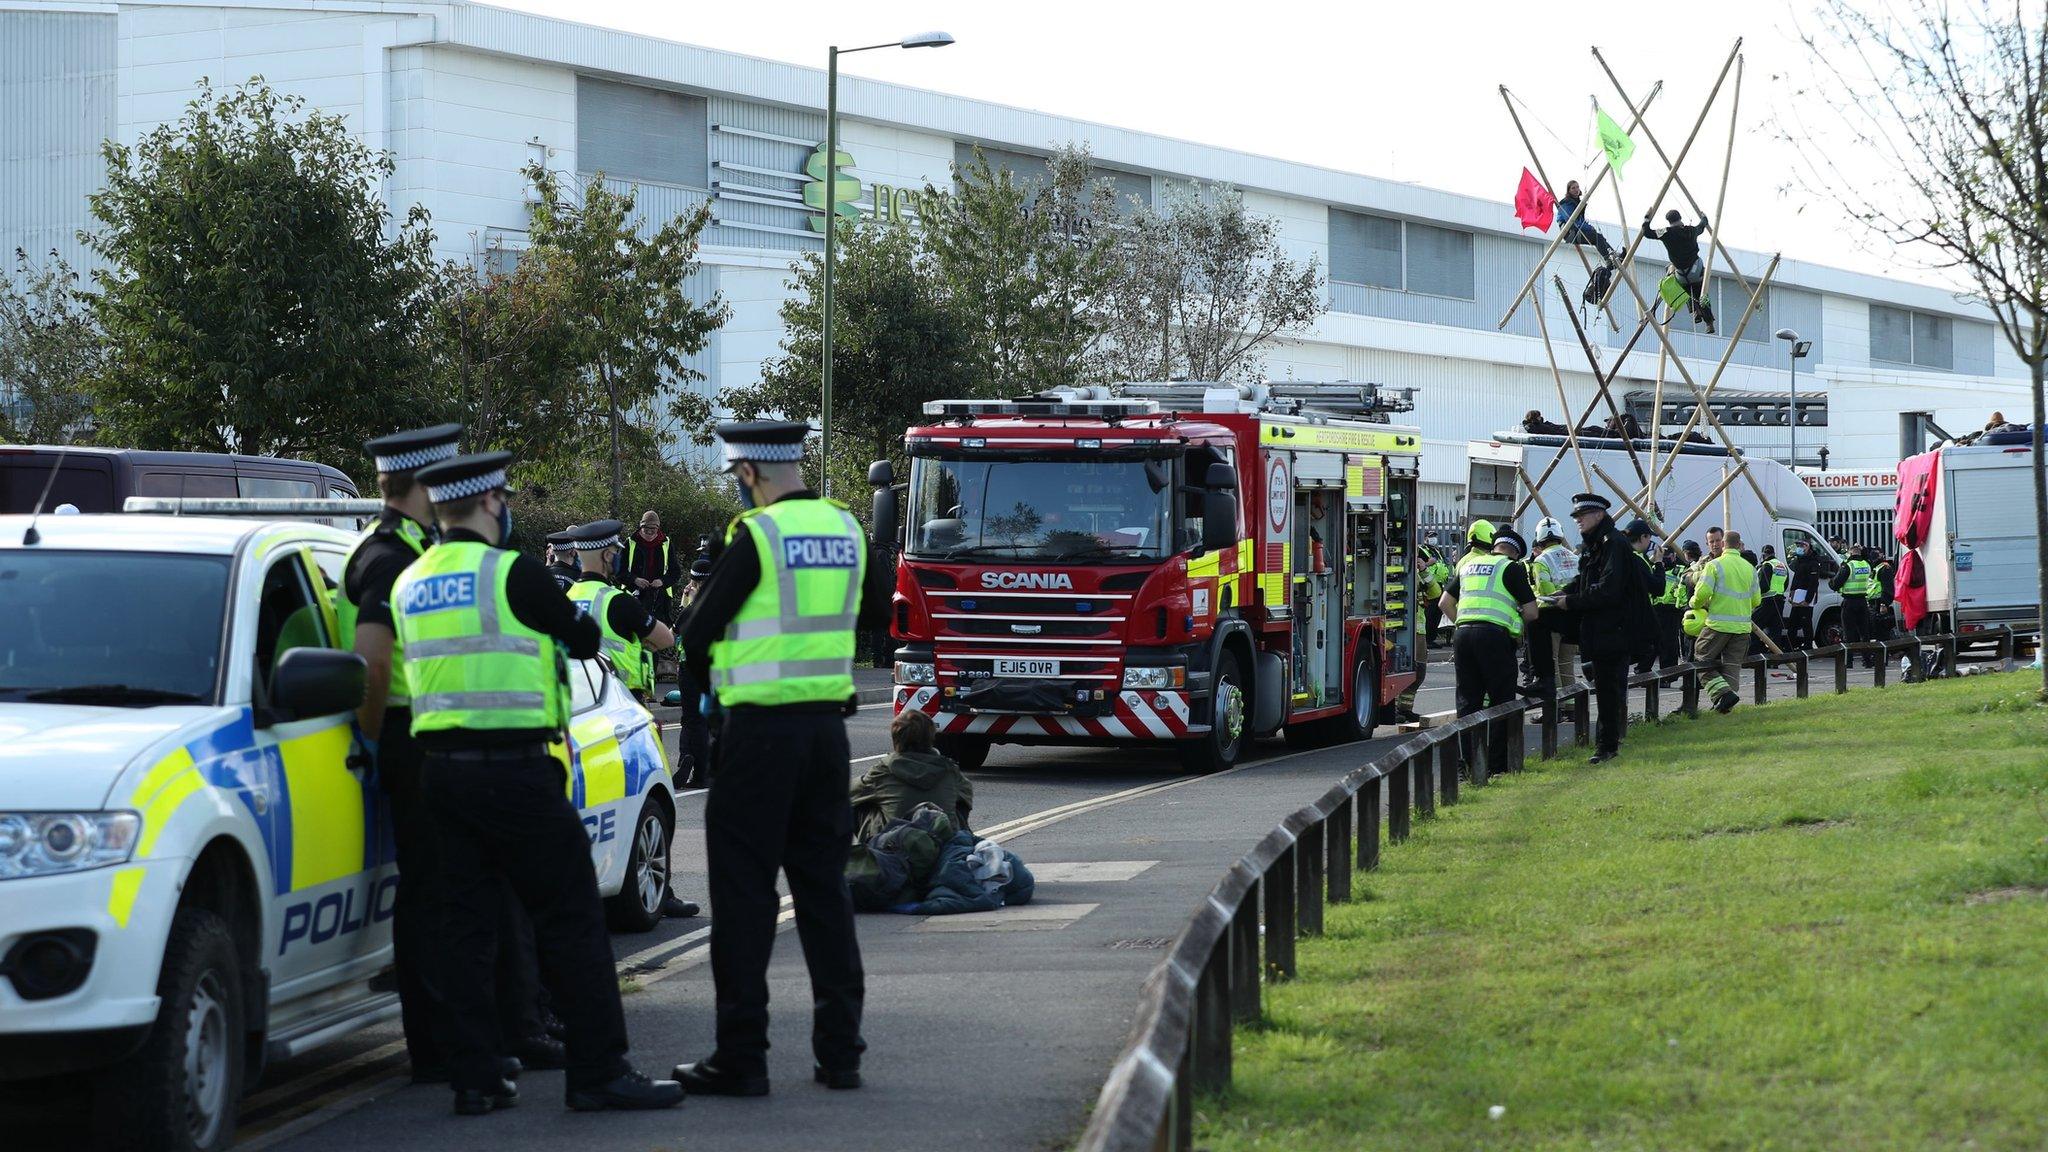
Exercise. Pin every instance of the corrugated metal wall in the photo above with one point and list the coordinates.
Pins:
(782, 224)
(57, 91)
(641, 133)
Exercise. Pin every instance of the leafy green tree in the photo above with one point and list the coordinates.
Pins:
(633, 322)
(899, 340)
(504, 346)
(52, 354)
(254, 296)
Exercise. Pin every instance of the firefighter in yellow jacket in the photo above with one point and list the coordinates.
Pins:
(1728, 592)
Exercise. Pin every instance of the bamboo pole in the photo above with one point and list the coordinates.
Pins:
(1545, 177)
(1587, 411)
(1671, 176)
(1655, 526)
(1604, 392)
(1571, 432)
(1721, 197)
(1605, 170)
(1535, 492)
(1727, 512)
(1740, 469)
(1714, 229)
(1656, 428)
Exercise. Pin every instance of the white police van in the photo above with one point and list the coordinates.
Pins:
(192, 879)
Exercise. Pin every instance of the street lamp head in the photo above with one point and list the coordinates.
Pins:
(927, 40)
(1787, 334)
(1800, 348)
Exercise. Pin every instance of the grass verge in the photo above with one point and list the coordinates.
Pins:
(1816, 925)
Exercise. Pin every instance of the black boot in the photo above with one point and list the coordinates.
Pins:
(477, 1101)
(837, 1079)
(707, 1079)
(676, 908)
(629, 1092)
(542, 1052)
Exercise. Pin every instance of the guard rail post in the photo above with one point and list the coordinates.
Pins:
(1245, 1004)
(1841, 669)
(1800, 680)
(1518, 740)
(1398, 804)
(1369, 825)
(1949, 653)
(1278, 886)
(1549, 736)
(1308, 895)
(1447, 770)
(1419, 767)
(1582, 716)
(1689, 691)
(2006, 647)
(1881, 669)
(1339, 850)
(1652, 705)
(1762, 681)
(1209, 1031)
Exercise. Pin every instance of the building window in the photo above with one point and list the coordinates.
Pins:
(1382, 252)
(1130, 189)
(1730, 298)
(633, 133)
(1365, 250)
(1922, 339)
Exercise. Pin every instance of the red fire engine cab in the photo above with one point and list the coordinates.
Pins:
(1195, 564)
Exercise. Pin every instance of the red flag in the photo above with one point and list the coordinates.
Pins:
(1535, 207)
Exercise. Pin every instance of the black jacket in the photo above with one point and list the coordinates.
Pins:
(1681, 242)
(1611, 596)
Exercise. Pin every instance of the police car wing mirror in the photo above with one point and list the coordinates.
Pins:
(1220, 478)
(309, 682)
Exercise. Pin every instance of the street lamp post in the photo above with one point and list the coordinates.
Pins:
(921, 40)
(1798, 349)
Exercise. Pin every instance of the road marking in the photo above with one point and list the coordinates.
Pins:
(277, 1092)
(1089, 871)
(341, 1101)
(1027, 918)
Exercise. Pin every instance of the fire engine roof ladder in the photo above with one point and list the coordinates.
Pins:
(1320, 398)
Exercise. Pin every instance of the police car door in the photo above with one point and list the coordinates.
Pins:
(597, 767)
(332, 890)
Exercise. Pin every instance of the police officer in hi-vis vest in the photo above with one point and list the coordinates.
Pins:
(772, 632)
(1491, 602)
(484, 634)
(391, 544)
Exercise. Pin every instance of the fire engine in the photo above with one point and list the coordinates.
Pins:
(1187, 563)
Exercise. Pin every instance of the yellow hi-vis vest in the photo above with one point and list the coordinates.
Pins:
(1862, 581)
(595, 597)
(1728, 591)
(469, 661)
(1483, 593)
(792, 640)
(346, 610)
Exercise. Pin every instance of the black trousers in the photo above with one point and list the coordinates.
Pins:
(1799, 625)
(1433, 619)
(413, 915)
(507, 824)
(1609, 674)
(1483, 656)
(778, 800)
(1770, 616)
(1670, 629)
(694, 738)
(1856, 622)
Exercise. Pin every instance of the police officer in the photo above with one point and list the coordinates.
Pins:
(1612, 596)
(397, 538)
(1490, 602)
(1774, 576)
(693, 755)
(1667, 602)
(1856, 580)
(1553, 636)
(631, 632)
(773, 633)
(1435, 576)
(483, 632)
(562, 559)
(1641, 542)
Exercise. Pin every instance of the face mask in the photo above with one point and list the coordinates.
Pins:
(746, 494)
(505, 524)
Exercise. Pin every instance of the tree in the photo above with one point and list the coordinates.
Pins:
(635, 323)
(1201, 285)
(899, 340)
(1950, 105)
(52, 354)
(505, 355)
(254, 297)
(1031, 255)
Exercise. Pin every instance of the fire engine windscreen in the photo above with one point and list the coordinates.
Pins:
(1092, 509)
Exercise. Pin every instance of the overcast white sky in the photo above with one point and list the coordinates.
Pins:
(1405, 91)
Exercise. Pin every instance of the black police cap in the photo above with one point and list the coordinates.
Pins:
(1590, 502)
(595, 536)
(408, 451)
(763, 441)
(1637, 529)
(465, 476)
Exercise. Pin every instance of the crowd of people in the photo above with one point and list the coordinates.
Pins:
(1622, 600)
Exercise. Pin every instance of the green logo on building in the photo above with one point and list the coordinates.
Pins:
(845, 188)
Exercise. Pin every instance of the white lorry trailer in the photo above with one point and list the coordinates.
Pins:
(1973, 506)
(1503, 468)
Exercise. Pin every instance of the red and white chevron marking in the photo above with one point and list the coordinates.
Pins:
(1139, 716)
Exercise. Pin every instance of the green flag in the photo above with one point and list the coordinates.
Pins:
(1614, 142)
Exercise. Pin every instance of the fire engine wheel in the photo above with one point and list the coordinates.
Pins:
(969, 752)
(1362, 717)
(1224, 742)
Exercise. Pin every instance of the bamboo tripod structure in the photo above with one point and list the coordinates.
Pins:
(1643, 502)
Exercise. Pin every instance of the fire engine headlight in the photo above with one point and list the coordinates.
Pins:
(1165, 677)
(42, 843)
(908, 673)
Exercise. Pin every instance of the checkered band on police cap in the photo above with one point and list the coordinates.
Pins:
(466, 487)
(417, 458)
(411, 450)
(763, 441)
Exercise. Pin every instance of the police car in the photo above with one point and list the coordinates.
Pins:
(194, 879)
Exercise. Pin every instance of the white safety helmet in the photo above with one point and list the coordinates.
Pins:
(1548, 529)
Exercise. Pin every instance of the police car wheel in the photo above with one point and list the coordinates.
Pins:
(179, 1091)
(637, 907)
